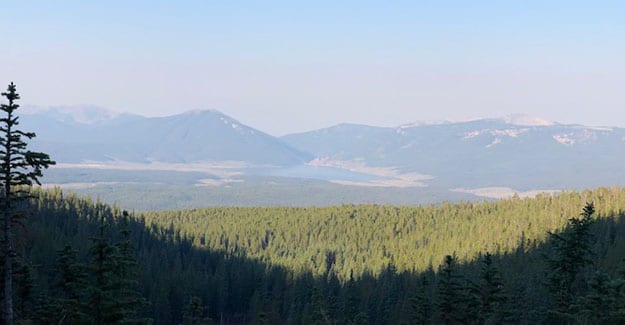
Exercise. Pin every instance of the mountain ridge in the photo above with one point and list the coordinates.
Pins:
(512, 152)
(182, 138)
(74, 112)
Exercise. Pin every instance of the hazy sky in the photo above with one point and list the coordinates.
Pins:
(284, 66)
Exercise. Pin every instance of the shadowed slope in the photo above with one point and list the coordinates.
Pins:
(236, 288)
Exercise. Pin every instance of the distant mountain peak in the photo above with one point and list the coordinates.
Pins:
(526, 120)
(513, 119)
(439, 122)
(202, 112)
(81, 114)
(211, 114)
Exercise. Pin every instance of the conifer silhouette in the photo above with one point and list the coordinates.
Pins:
(19, 167)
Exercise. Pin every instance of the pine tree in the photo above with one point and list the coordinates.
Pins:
(128, 300)
(489, 292)
(572, 250)
(421, 305)
(18, 167)
(350, 300)
(451, 293)
(24, 290)
(72, 282)
(101, 296)
(113, 297)
(605, 303)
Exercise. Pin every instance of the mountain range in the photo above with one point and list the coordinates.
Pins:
(194, 136)
(472, 156)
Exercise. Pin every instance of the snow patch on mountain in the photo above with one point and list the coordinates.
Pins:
(400, 130)
(494, 143)
(513, 133)
(234, 124)
(525, 120)
(585, 135)
(596, 128)
(564, 139)
(514, 119)
(471, 135)
(439, 122)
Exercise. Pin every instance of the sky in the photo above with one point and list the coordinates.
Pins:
(290, 66)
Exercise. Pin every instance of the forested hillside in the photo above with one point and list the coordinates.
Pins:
(347, 264)
(367, 238)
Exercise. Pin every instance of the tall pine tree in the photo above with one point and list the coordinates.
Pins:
(72, 282)
(572, 251)
(421, 305)
(128, 299)
(451, 292)
(490, 293)
(112, 296)
(101, 294)
(19, 167)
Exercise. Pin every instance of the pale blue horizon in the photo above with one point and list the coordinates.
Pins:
(284, 67)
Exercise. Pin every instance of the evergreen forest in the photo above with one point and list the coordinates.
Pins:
(552, 259)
